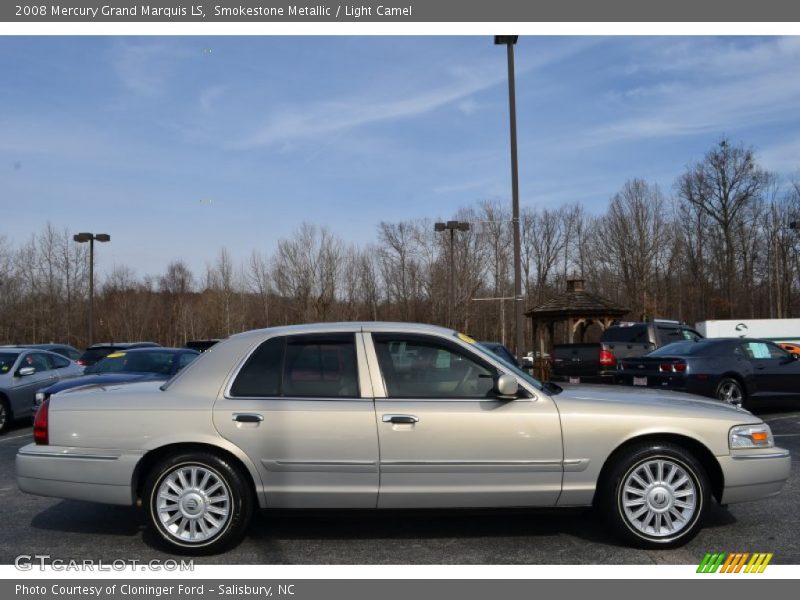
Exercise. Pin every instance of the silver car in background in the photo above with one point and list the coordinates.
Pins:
(23, 372)
(391, 415)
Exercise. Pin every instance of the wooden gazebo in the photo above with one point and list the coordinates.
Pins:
(577, 309)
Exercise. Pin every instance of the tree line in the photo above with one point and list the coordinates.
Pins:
(716, 245)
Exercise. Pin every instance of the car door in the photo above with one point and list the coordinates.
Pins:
(446, 440)
(25, 386)
(768, 369)
(785, 370)
(301, 407)
(64, 368)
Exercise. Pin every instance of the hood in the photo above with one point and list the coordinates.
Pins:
(102, 380)
(645, 397)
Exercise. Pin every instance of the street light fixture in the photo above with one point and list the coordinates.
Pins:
(82, 238)
(509, 41)
(452, 227)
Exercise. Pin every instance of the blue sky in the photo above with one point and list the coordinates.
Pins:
(177, 146)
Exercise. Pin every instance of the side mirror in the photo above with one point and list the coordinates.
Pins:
(507, 387)
(24, 371)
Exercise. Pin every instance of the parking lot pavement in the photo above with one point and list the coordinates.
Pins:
(79, 530)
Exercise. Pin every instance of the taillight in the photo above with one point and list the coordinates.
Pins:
(678, 367)
(81, 362)
(607, 358)
(40, 424)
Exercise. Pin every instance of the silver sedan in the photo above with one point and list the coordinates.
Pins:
(23, 372)
(391, 415)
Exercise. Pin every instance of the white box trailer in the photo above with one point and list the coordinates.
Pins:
(776, 330)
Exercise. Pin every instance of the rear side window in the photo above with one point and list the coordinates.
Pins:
(59, 362)
(306, 366)
(634, 334)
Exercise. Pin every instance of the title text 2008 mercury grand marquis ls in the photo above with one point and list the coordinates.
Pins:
(390, 415)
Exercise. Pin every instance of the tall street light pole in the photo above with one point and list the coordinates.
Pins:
(452, 227)
(91, 238)
(519, 324)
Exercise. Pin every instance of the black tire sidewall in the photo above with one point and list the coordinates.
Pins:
(9, 418)
(615, 512)
(241, 502)
(738, 384)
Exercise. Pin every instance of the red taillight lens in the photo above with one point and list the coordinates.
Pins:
(680, 367)
(672, 367)
(40, 424)
(607, 358)
(665, 367)
(81, 362)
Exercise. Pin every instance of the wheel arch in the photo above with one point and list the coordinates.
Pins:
(699, 450)
(153, 457)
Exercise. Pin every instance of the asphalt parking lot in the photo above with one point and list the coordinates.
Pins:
(71, 530)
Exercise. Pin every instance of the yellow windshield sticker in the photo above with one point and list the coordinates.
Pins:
(465, 338)
(116, 355)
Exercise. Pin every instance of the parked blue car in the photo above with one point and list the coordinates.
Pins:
(139, 364)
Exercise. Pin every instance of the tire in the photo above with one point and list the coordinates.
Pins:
(198, 503)
(732, 391)
(6, 416)
(644, 511)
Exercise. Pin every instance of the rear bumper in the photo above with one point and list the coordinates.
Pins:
(77, 473)
(753, 476)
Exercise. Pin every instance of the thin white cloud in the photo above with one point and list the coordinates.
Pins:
(144, 68)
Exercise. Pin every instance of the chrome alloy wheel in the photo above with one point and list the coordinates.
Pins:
(193, 504)
(659, 498)
(731, 392)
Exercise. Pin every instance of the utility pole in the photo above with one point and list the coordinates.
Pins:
(452, 227)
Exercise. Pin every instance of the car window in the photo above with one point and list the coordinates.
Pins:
(135, 362)
(763, 351)
(633, 334)
(69, 353)
(185, 358)
(261, 374)
(425, 367)
(59, 362)
(7, 361)
(37, 360)
(320, 367)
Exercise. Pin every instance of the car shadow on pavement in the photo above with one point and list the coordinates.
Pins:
(73, 516)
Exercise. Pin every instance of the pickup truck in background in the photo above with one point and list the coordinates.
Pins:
(597, 362)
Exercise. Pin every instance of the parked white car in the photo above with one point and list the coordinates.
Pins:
(390, 415)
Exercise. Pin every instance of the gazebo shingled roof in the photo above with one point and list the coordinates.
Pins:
(577, 308)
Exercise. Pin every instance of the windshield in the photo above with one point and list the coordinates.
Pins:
(511, 367)
(7, 360)
(134, 362)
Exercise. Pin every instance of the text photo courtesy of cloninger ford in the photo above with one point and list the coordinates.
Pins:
(417, 300)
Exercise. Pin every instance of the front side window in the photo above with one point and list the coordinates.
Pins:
(304, 366)
(425, 367)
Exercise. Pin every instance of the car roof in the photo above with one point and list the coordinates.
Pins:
(123, 345)
(158, 349)
(345, 326)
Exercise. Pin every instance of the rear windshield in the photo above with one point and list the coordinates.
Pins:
(680, 349)
(7, 360)
(135, 362)
(632, 334)
(96, 353)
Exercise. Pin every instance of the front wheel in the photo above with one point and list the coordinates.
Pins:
(198, 503)
(731, 391)
(655, 496)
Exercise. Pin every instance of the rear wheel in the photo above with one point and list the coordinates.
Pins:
(198, 503)
(731, 391)
(5, 415)
(655, 496)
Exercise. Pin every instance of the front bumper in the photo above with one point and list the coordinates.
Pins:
(77, 473)
(754, 475)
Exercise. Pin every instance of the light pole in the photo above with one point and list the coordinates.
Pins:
(509, 41)
(91, 238)
(452, 227)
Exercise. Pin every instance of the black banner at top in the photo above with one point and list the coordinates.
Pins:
(400, 11)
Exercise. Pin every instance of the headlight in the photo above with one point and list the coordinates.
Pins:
(751, 436)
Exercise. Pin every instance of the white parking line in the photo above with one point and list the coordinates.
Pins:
(15, 437)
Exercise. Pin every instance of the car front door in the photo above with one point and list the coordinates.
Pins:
(25, 386)
(773, 370)
(447, 440)
(301, 407)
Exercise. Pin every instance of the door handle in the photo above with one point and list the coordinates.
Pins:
(408, 419)
(247, 418)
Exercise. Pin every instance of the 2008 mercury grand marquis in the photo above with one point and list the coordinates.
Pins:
(389, 415)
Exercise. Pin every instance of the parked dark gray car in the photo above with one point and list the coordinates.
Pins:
(23, 371)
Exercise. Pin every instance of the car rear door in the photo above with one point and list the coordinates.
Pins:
(446, 440)
(301, 407)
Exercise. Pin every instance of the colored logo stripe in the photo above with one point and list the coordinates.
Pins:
(735, 562)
